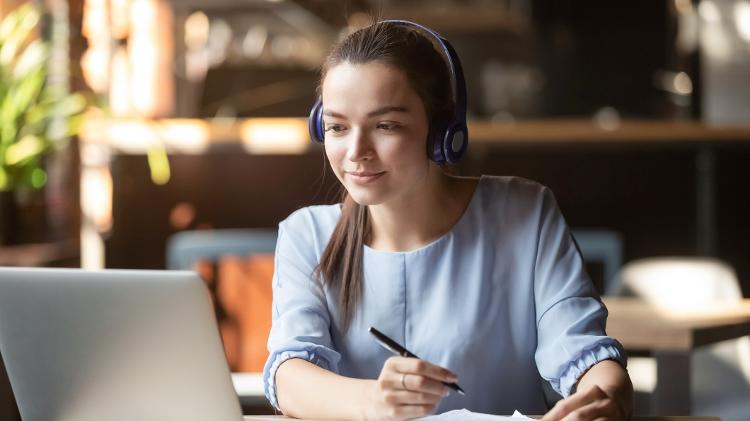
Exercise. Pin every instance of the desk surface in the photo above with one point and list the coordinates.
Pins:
(281, 417)
(641, 326)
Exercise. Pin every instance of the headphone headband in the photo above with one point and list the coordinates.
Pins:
(448, 142)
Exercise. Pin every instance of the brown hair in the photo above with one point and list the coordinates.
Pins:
(342, 263)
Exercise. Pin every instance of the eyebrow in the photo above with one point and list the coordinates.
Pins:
(379, 111)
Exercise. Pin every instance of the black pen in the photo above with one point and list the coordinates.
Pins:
(397, 349)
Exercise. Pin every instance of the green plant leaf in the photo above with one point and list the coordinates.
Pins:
(21, 96)
(33, 58)
(38, 178)
(4, 182)
(14, 31)
(34, 116)
(9, 24)
(26, 148)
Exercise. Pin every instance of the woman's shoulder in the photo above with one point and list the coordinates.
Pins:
(517, 190)
(512, 207)
(316, 221)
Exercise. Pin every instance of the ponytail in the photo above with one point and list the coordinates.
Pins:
(341, 266)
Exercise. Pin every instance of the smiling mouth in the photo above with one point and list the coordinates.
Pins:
(364, 177)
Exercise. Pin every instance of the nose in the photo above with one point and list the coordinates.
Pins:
(360, 147)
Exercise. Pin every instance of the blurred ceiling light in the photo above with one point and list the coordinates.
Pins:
(119, 94)
(282, 46)
(95, 60)
(709, 12)
(96, 197)
(716, 43)
(681, 287)
(688, 26)
(120, 18)
(254, 41)
(94, 22)
(129, 135)
(186, 135)
(678, 83)
(683, 6)
(136, 136)
(196, 31)
(275, 135)
(682, 84)
(742, 19)
(196, 65)
(219, 37)
(150, 54)
(94, 63)
(607, 118)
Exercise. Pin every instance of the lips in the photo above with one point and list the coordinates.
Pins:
(363, 177)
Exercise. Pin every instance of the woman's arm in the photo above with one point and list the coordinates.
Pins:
(406, 388)
(305, 390)
(603, 392)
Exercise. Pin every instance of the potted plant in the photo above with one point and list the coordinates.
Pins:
(36, 116)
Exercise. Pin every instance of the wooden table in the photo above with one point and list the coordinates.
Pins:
(671, 336)
(281, 417)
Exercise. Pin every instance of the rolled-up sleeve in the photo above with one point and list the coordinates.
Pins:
(571, 318)
(301, 321)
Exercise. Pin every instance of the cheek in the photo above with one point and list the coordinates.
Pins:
(335, 155)
(407, 151)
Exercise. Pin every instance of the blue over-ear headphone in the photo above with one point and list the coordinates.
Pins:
(447, 143)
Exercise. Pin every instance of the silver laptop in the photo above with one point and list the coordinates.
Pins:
(113, 345)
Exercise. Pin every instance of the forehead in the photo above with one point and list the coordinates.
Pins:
(349, 88)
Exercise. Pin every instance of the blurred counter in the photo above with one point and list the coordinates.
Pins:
(289, 135)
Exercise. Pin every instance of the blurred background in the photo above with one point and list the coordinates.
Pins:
(156, 117)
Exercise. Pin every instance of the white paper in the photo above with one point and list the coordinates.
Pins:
(466, 415)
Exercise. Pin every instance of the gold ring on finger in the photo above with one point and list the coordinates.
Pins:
(403, 381)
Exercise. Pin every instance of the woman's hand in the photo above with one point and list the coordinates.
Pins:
(587, 405)
(407, 388)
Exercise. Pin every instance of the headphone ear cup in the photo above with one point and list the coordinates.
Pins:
(435, 144)
(315, 122)
(454, 143)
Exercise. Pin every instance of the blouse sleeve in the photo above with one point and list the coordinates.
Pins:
(300, 320)
(570, 316)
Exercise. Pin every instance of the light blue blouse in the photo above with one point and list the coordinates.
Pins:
(500, 299)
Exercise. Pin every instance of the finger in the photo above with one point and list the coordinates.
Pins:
(573, 402)
(411, 411)
(423, 368)
(415, 383)
(407, 397)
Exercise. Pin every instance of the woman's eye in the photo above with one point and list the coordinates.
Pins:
(335, 128)
(388, 126)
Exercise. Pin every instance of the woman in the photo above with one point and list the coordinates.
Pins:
(479, 277)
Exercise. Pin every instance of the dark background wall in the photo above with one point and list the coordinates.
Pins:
(645, 192)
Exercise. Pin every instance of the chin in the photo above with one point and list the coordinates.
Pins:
(365, 198)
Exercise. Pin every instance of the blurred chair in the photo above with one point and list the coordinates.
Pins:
(237, 265)
(186, 248)
(721, 372)
(601, 246)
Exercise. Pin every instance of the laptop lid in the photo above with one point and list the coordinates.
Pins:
(113, 344)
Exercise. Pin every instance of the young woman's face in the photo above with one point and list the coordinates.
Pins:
(375, 132)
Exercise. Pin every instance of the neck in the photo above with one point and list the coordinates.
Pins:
(422, 216)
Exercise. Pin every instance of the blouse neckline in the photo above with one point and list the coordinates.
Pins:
(442, 238)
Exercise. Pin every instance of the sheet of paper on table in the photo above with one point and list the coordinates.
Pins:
(466, 415)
